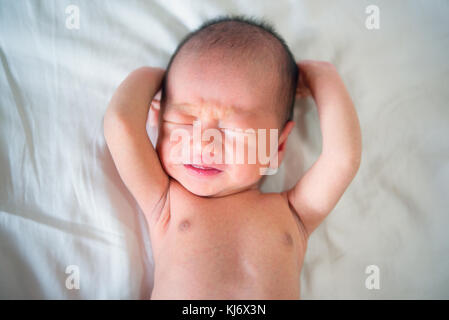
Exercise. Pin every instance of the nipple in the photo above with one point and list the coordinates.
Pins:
(184, 225)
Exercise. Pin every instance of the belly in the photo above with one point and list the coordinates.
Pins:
(228, 257)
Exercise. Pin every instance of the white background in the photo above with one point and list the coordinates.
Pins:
(62, 202)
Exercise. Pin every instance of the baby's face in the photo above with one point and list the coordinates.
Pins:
(206, 96)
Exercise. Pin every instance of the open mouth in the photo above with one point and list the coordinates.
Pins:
(202, 170)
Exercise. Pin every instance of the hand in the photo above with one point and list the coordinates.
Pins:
(156, 102)
(302, 90)
(309, 72)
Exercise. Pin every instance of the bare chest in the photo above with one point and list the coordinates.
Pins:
(244, 245)
(251, 227)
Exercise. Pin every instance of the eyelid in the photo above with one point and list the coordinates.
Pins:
(230, 131)
(227, 130)
(177, 123)
(234, 129)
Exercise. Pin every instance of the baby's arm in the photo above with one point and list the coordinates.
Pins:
(127, 139)
(319, 190)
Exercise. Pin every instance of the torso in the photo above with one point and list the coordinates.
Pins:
(244, 246)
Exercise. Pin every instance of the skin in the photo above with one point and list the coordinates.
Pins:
(242, 97)
(219, 237)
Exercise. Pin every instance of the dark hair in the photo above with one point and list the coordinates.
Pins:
(240, 32)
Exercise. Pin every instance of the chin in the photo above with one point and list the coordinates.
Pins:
(200, 185)
(201, 190)
(205, 187)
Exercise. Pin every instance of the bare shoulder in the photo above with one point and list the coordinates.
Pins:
(279, 205)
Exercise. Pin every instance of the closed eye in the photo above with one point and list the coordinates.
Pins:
(231, 131)
(177, 123)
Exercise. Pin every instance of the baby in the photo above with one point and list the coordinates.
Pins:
(214, 235)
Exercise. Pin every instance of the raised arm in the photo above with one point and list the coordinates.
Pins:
(127, 139)
(318, 191)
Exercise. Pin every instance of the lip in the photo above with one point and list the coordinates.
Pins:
(202, 170)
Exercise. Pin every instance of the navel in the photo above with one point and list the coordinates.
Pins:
(184, 225)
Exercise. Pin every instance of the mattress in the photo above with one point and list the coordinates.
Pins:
(69, 229)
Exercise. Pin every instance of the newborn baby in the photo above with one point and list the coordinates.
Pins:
(214, 235)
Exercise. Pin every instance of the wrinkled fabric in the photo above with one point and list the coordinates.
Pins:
(63, 204)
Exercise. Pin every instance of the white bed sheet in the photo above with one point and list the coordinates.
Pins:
(62, 202)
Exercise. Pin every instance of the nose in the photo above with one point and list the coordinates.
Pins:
(207, 141)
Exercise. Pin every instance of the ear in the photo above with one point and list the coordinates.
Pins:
(283, 140)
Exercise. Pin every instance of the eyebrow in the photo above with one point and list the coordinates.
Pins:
(235, 109)
(181, 106)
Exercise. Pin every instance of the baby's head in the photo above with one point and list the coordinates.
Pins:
(229, 77)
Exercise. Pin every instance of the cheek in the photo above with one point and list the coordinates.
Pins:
(268, 146)
(253, 149)
(171, 144)
(244, 174)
